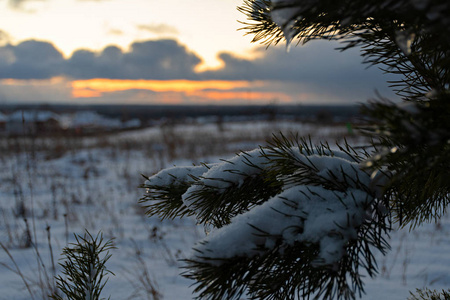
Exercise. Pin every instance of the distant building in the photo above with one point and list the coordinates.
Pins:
(33, 122)
(3, 121)
(37, 122)
(92, 122)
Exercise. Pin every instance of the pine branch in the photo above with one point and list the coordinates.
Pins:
(290, 262)
(84, 268)
(413, 148)
(317, 238)
(165, 189)
(230, 188)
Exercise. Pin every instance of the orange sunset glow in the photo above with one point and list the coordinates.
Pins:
(215, 90)
(166, 91)
(104, 85)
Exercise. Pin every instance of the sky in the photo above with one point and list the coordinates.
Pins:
(165, 52)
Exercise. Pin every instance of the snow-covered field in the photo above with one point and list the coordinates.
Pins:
(53, 187)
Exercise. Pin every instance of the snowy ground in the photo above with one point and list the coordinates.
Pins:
(54, 187)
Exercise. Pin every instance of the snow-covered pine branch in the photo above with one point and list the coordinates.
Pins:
(290, 218)
(166, 188)
(294, 219)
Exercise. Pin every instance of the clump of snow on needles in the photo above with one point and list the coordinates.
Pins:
(302, 213)
(174, 175)
(228, 173)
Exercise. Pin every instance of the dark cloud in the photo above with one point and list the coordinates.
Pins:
(30, 60)
(161, 59)
(158, 28)
(317, 65)
(87, 64)
(316, 68)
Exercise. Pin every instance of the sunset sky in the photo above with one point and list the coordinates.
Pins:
(169, 52)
